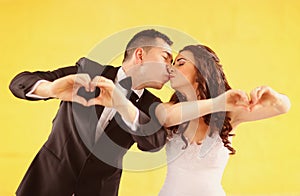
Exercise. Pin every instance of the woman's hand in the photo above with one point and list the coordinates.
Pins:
(231, 100)
(265, 96)
(264, 103)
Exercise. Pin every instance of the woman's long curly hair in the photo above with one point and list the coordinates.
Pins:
(211, 83)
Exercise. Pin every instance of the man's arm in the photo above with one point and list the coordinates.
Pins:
(149, 134)
(62, 83)
(22, 83)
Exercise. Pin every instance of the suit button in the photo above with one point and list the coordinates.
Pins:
(21, 86)
(91, 160)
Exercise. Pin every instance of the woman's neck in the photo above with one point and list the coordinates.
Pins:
(189, 93)
(196, 131)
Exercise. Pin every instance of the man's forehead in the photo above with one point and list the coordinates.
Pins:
(165, 48)
(162, 46)
(160, 43)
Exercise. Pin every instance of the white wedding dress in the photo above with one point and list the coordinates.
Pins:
(196, 170)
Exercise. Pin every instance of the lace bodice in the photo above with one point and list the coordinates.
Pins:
(196, 170)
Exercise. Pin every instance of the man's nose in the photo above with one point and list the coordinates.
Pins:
(170, 68)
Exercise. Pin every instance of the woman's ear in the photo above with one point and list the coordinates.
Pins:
(138, 55)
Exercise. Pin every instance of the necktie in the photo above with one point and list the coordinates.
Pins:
(127, 84)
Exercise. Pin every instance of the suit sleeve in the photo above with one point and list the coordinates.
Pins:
(22, 83)
(150, 134)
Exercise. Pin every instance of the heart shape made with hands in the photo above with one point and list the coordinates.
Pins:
(258, 97)
(125, 83)
(88, 95)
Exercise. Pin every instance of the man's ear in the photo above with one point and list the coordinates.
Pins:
(138, 55)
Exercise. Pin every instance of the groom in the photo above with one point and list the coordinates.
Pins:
(84, 152)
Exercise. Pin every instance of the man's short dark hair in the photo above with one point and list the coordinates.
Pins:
(144, 39)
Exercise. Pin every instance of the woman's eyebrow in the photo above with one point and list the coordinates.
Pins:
(182, 58)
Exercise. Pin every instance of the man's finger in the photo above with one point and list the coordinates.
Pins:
(80, 100)
(104, 85)
(97, 82)
(93, 101)
(83, 80)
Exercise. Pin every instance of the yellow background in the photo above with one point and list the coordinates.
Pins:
(257, 41)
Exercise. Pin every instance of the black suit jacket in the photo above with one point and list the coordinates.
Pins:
(70, 161)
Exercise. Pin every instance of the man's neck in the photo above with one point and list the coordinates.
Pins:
(134, 77)
(131, 71)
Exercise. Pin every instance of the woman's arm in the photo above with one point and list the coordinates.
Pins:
(265, 103)
(173, 114)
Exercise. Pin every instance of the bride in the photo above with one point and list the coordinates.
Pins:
(198, 150)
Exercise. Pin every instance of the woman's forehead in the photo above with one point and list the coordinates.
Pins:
(187, 55)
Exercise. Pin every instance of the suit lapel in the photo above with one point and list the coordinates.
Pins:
(110, 73)
(86, 118)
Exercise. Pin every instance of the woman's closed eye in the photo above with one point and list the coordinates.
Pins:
(180, 62)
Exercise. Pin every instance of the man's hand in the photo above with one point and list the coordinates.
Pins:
(66, 88)
(110, 95)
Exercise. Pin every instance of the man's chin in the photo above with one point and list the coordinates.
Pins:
(155, 85)
(158, 86)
